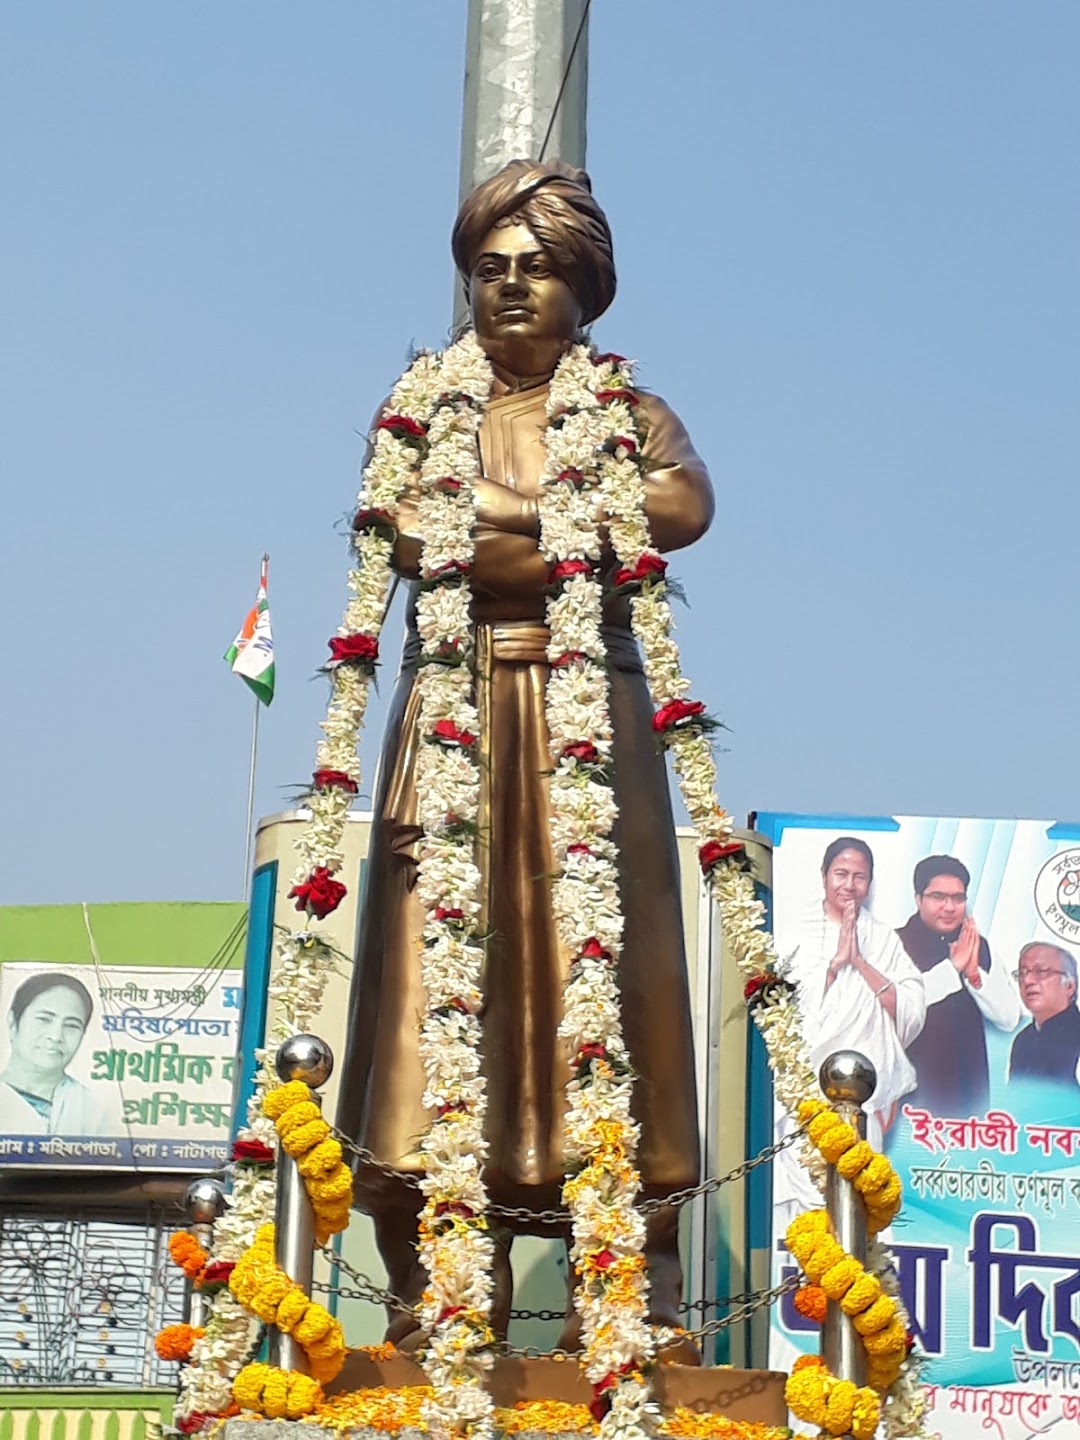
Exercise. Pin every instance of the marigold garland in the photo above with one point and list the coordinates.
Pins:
(870, 1173)
(174, 1342)
(186, 1251)
(277, 1394)
(305, 1135)
(263, 1288)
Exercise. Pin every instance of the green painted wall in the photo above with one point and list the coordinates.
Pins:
(168, 933)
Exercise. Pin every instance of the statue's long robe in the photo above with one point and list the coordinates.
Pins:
(526, 968)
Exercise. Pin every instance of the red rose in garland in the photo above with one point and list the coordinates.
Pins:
(445, 732)
(608, 397)
(359, 649)
(252, 1151)
(677, 713)
(649, 567)
(713, 851)
(569, 569)
(404, 427)
(334, 780)
(319, 894)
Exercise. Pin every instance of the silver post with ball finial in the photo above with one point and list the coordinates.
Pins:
(306, 1058)
(204, 1203)
(848, 1080)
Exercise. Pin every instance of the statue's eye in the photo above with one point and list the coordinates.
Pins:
(488, 271)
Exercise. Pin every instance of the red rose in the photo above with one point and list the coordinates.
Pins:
(195, 1421)
(447, 485)
(334, 780)
(609, 357)
(578, 850)
(581, 750)
(373, 520)
(358, 649)
(648, 564)
(442, 912)
(604, 1259)
(675, 713)
(449, 1313)
(319, 894)
(454, 1207)
(606, 397)
(713, 851)
(402, 426)
(568, 658)
(567, 569)
(454, 1107)
(254, 1151)
(751, 988)
(621, 442)
(593, 950)
(572, 476)
(592, 1051)
(451, 570)
(447, 733)
(217, 1272)
(599, 1407)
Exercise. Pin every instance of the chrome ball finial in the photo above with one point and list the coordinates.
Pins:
(204, 1201)
(305, 1057)
(848, 1076)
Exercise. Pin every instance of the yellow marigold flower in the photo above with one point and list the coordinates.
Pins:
(839, 1139)
(292, 1310)
(891, 1340)
(299, 1139)
(305, 1393)
(322, 1159)
(331, 1188)
(809, 1108)
(275, 1395)
(805, 1395)
(277, 1101)
(826, 1253)
(876, 1316)
(839, 1278)
(313, 1326)
(865, 1414)
(852, 1161)
(875, 1174)
(864, 1291)
(820, 1126)
(839, 1406)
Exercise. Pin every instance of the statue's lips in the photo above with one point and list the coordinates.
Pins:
(514, 312)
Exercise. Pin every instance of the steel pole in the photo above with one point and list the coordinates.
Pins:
(848, 1080)
(526, 78)
(310, 1059)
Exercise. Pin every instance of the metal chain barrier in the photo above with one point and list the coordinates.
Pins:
(746, 1304)
(562, 1217)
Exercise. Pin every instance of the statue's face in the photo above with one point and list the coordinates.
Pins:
(518, 304)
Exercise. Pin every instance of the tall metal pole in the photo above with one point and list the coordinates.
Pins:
(848, 1080)
(526, 75)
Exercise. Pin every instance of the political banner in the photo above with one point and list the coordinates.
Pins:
(946, 951)
(116, 1068)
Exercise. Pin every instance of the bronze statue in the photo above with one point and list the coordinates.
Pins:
(535, 253)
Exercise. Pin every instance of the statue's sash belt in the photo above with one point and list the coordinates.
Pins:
(525, 642)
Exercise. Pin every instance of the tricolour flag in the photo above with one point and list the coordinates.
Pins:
(251, 654)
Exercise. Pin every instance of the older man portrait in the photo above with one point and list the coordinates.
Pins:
(1048, 1048)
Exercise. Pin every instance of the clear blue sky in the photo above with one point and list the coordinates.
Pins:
(848, 241)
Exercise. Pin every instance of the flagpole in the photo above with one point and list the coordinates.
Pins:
(252, 760)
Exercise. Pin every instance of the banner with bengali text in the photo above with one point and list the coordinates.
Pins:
(116, 1068)
(946, 950)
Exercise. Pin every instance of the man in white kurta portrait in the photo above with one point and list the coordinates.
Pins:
(857, 990)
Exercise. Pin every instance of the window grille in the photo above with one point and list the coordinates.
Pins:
(82, 1298)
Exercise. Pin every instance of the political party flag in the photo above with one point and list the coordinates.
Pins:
(251, 654)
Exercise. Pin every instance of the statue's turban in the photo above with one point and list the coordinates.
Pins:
(555, 201)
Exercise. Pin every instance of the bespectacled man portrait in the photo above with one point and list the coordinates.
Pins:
(1048, 1048)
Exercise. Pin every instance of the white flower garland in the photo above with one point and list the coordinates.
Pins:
(593, 452)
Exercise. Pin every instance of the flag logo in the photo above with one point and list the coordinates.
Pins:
(251, 654)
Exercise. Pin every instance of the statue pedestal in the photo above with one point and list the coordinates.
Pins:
(755, 1395)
